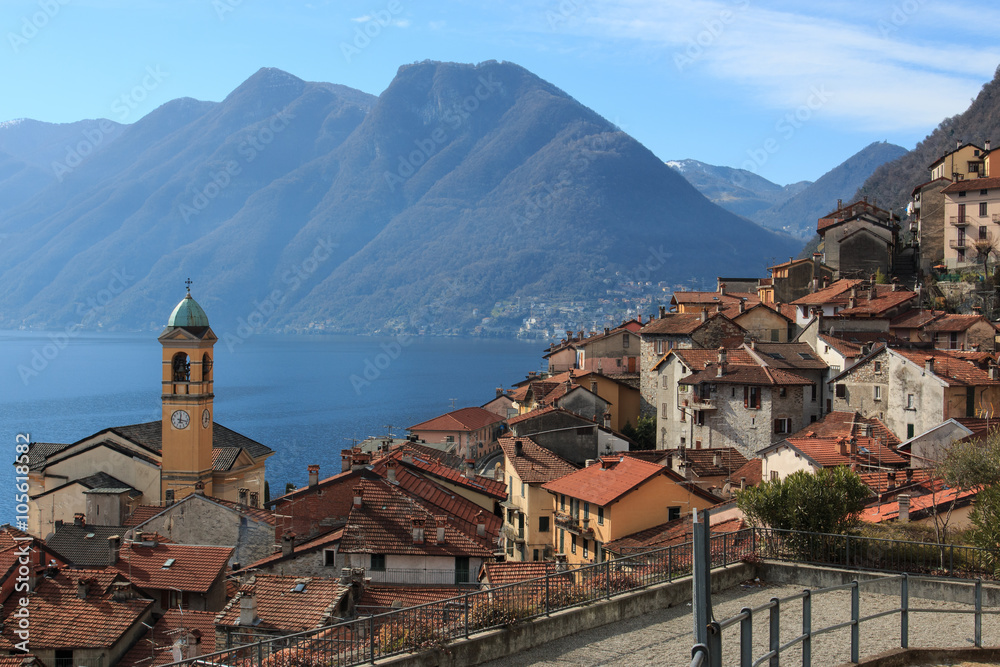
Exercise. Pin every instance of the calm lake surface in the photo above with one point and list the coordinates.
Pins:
(292, 393)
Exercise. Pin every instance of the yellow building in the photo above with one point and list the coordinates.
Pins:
(105, 475)
(966, 161)
(528, 513)
(615, 497)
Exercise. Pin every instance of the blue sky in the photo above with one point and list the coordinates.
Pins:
(787, 89)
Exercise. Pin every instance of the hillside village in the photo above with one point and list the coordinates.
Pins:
(150, 543)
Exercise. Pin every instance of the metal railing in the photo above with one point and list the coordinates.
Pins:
(872, 553)
(711, 654)
(368, 639)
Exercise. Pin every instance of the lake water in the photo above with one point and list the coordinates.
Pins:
(306, 397)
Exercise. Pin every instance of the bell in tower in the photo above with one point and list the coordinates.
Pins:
(187, 396)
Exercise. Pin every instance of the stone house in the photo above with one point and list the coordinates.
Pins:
(796, 278)
(927, 206)
(568, 435)
(858, 239)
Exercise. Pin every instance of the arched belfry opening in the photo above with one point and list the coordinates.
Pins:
(181, 366)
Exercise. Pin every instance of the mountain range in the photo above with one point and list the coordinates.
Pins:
(297, 205)
(792, 209)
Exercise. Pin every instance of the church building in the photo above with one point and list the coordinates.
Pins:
(102, 477)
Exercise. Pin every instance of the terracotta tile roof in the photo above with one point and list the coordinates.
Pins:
(697, 358)
(531, 414)
(256, 513)
(381, 599)
(915, 319)
(519, 394)
(536, 465)
(512, 572)
(606, 482)
(172, 627)
(383, 525)
(149, 435)
(835, 293)
(315, 544)
(953, 371)
(881, 303)
(60, 619)
(666, 534)
(955, 323)
(464, 419)
(431, 467)
(972, 184)
(713, 462)
(846, 424)
(798, 356)
(878, 481)
(85, 546)
(825, 452)
(195, 568)
(752, 471)
(141, 514)
(713, 298)
(919, 506)
(657, 456)
(752, 375)
(281, 607)
(431, 453)
(323, 483)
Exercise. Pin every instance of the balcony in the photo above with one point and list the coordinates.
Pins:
(958, 244)
(575, 525)
(996, 217)
(961, 220)
(699, 403)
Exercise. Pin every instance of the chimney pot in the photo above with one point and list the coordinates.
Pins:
(418, 530)
(287, 543)
(390, 471)
(904, 506)
(313, 475)
(929, 364)
(518, 448)
(480, 524)
(663, 312)
(470, 468)
(359, 492)
(248, 609)
(114, 546)
(81, 589)
(79, 519)
(441, 522)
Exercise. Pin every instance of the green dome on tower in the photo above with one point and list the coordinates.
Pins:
(188, 314)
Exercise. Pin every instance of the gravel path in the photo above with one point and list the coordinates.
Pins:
(665, 637)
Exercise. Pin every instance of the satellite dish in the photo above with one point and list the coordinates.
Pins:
(727, 489)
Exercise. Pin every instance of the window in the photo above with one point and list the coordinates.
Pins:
(586, 510)
(543, 524)
(586, 548)
(450, 439)
(64, 657)
(563, 502)
(909, 431)
(841, 391)
(909, 402)
(782, 392)
(523, 486)
(962, 194)
(254, 499)
(663, 411)
(775, 335)
(572, 543)
(699, 417)
(243, 493)
(378, 562)
(660, 347)
(751, 398)
(625, 341)
(774, 475)
(983, 193)
(534, 555)
(782, 425)
(600, 516)
(878, 392)
(878, 366)
(673, 513)
(329, 557)
(961, 256)
(814, 393)
(665, 385)
(562, 541)
(982, 232)
(697, 444)
(982, 211)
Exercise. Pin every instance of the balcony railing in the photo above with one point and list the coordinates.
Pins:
(575, 525)
(961, 220)
(958, 244)
(699, 403)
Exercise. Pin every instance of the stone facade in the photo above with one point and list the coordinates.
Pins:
(930, 223)
(865, 388)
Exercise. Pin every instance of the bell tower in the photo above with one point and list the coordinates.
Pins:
(188, 411)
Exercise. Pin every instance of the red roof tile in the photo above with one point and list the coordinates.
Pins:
(882, 302)
(512, 572)
(915, 319)
(464, 419)
(174, 626)
(281, 607)
(919, 505)
(752, 472)
(381, 599)
(536, 465)
(835, 293)
(969, 184)
(673, 532)
(955, 323)
(825, 452)
(606, 482)
(712, 462)
(428, 466)
(954, 371)
(678, 323)
(141, 514)
(195, 568)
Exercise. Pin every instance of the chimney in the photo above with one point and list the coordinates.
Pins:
(986, 146)
(569, 335)
(743, 482)
(890, 481)
(81, 589)
(199, 488)
(390, 471)
(79, 520)
(287, 543)
(743, 305)
(909, 475)
(842, 445)
(441, 522)
(854, 446)
(114, 547)
(418, 530)
(719, 307)
(122, 591)
(470, 468)
(716, 459)
(895, 284)
(359, 459)
(606, 331)
(607, 419)
(840, 204)
(248, 609)
(929, 364)
(852, 300)
(704, 314)
(994, 372)
(359, 492)
(723, 362)
(663, 312)
(639, 318)
(518, 448)
(958, 143)
(904, 506)
(345, 460)
(722, 289)
(313, 475)
(59, 524)
(480, 524)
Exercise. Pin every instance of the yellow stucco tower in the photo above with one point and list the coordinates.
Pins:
(187, 419)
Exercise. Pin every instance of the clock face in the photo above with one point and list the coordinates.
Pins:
(206, 418)
(180, 419)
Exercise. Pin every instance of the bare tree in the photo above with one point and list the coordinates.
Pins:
(984, 247)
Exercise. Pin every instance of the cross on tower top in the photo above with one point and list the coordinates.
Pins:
(188, 283)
